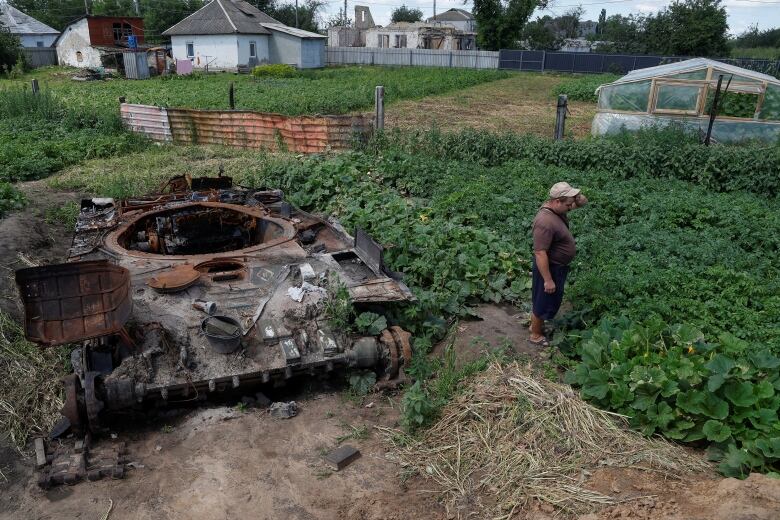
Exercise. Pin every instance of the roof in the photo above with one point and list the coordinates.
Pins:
(300, 33)
(417, 26)
(223, 17)
(452, 15)
(20, 23)
(691, 65)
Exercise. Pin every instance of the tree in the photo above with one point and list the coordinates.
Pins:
(55, 13)
(501, 22)
(602, 21)
(307, 14)
(540, 36)
(339, 20)
(696, 28)
(10, 48)
(566, 26)
(406, 14)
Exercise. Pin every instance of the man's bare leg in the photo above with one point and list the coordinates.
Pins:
(537, 328)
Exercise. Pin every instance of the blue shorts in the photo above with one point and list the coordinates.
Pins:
(545, 306)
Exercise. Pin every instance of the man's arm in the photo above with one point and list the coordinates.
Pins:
(543, 264)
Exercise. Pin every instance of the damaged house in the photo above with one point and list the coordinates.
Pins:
(99, 41)
(421, 35)
(31, 32)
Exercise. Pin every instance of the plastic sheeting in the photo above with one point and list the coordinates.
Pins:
(678, 97)
(723, 131)
(631, 97)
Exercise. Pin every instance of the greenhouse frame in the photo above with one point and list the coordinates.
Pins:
(682, 93)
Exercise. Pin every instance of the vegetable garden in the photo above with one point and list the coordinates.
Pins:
(675, 290)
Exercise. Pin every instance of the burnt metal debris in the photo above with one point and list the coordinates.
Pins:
(131, 296)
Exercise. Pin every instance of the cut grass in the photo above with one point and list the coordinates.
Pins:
(522, 103)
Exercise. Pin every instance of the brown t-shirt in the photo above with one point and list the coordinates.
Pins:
(551, 233)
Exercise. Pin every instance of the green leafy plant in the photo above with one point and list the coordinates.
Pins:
(10, 198)
(275, 70)
(338, 306)
(370, 323)
(361, 382)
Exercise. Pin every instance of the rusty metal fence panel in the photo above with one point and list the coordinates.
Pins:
(40, 56)
(246, 129)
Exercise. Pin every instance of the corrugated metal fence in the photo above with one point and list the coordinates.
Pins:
(587, 62)
(40, 56)
(539, 61)
(415, 57)
(245, 129)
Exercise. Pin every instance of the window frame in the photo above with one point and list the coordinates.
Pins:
(187, 47)
(253, 49)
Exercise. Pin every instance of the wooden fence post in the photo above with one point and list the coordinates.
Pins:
(379, 106)
(231, 97)
(560, 116)
(35, 88)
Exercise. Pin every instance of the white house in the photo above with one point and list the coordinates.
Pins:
(228, 34)
(30, 31)
(458, 18)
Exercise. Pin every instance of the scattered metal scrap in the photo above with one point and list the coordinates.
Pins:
(126, 295)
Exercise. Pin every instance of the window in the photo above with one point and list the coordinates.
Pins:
(384, 40)
(190, 50)
(117, 32)
(677, 98)
(252, 50)
(79, 56)
(39, 44)
(400, 41)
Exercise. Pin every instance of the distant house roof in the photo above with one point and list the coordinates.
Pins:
(452, 15)
(20, 23)
(300, 33)
(224, 17)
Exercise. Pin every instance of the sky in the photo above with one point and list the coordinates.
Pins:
(741, 13)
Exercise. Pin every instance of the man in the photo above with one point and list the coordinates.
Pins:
(554, 249)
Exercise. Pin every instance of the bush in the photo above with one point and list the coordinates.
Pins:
(583, 88)
(10, 198)
(277, 70)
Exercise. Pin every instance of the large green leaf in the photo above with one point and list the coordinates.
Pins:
(720, 364)
(764, 359)
(770, 448)
(716, 431)
(764, 390)
(597, 384)
(660, 415)
(741, 394)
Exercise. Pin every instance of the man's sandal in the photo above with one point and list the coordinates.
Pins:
(541, 342)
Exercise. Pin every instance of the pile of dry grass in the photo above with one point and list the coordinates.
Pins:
(512, 437)
(30, 387)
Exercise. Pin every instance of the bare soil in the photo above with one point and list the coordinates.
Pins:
(28, 232)
(522, 103)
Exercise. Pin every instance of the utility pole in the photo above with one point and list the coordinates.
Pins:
(434, 11)
(86, 7)
(345, 13)
(296, 13)
(137, 8)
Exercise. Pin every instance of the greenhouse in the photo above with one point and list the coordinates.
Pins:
(682, 93)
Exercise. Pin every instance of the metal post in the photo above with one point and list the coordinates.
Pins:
(296, 14)
(560, 116)
(35, 88)
(379, 106)
(231, 96)
(410, 56)
(714, 110)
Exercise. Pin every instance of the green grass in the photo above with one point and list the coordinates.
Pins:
(763, 53)
(583, 87)
(327, 91)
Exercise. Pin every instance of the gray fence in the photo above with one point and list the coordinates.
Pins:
(586, 62)
(418, 57)
(40, 56)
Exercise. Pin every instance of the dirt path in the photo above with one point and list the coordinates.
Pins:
(522, 103)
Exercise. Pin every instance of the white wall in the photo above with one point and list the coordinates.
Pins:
(243, 48)
(221, 49)
(31, 40)
(412, 38)
(76, 39)
(285, 48)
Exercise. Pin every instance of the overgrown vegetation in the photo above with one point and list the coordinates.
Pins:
(39, 135)
(335, 90)
(30, 390)
(277, 70)
(10, 198)
(583, 88)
